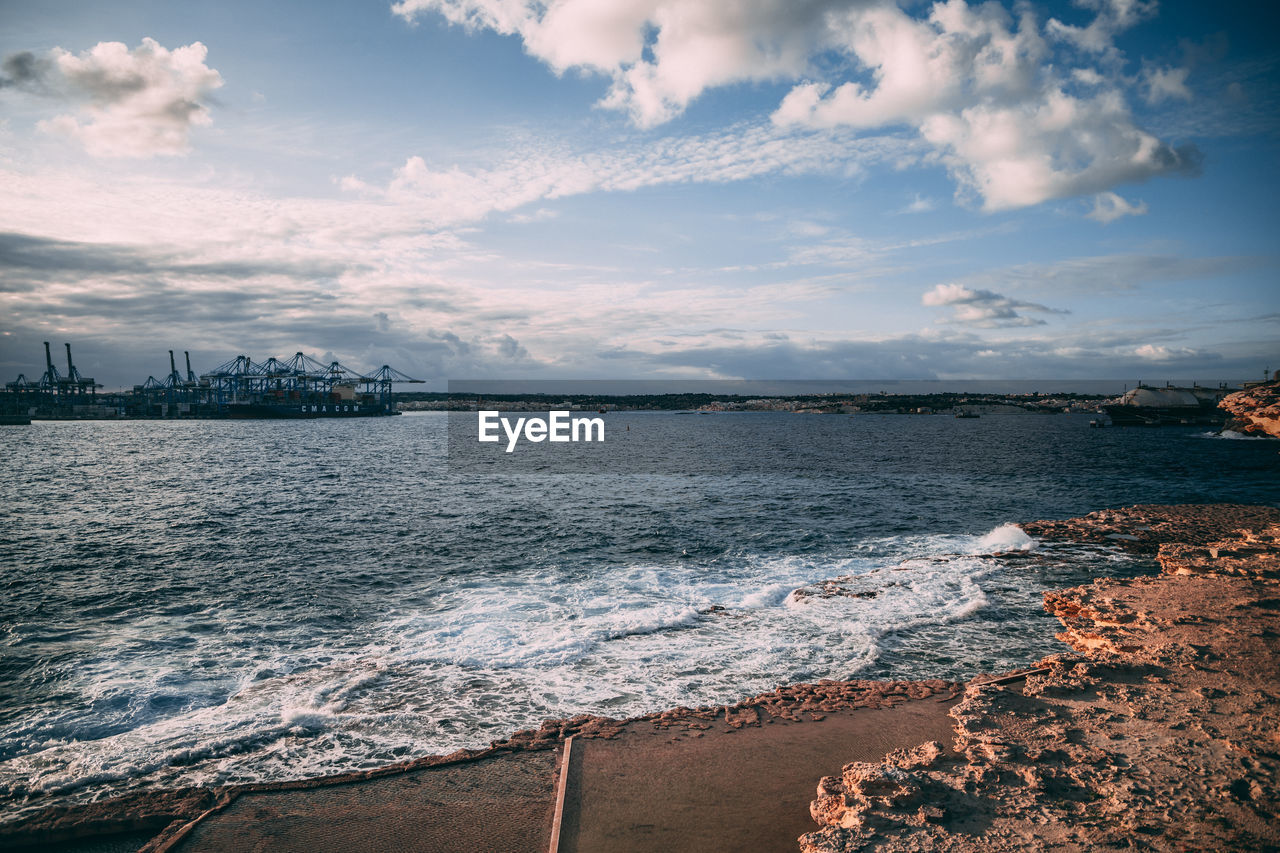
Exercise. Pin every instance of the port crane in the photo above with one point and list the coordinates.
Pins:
(273, 388)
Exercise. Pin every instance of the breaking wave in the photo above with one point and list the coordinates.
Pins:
(1232, 435)
(1005, 538)
(492, 659)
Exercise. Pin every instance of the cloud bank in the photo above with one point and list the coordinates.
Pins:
(1019, 112)
(661, 54)
(132, 103)
(986, 92)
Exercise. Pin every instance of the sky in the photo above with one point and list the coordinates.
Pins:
(643, 189)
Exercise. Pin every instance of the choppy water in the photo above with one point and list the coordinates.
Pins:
(209, 602)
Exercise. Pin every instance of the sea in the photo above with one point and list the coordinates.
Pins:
(212, 602)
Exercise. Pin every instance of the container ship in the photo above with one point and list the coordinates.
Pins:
(296, 389)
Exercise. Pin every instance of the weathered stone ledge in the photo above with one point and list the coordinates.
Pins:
(1160, 731)
(1255, 411)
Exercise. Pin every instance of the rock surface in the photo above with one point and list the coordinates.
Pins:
(1143, 528)
(1256, 410)
(1160, 731)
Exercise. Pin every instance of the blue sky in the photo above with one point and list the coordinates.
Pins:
(643, 188)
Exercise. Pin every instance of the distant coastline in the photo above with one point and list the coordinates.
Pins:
(829, 403)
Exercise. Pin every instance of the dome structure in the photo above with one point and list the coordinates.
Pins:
(1160, 398)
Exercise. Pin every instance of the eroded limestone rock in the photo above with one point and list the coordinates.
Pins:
(1160, 731)
(1256, 410)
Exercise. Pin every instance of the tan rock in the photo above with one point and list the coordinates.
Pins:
(1161, 731)
(1256, 410)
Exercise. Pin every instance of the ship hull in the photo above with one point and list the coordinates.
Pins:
(1160, 416)
(304, 411)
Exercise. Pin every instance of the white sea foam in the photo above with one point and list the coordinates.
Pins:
(1232, 435)
(489, 658)
(772, 595)
(1005, 538)
(306, 719)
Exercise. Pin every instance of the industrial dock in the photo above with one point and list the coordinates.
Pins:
(297, 388)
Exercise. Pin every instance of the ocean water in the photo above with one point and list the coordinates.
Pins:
(210, 602)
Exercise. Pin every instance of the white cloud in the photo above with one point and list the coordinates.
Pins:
(710, 43)
(1005, 110)
(223, 269)
(1087, 76)
(542, 214)
(856, 252)
(1111, 273)
(504, 16)
(1108, 207)
(1161, 353)
(923, 66)
(1057, 147)
(352, 184)
(984, 308)
(135, 103)
(1112, 18)
(1162, 84)
(447, 195)
(805, 228)
(920, 204)
(220, 268)
(661, 54)
(982, 91)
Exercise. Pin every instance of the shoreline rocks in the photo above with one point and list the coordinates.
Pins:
(1161, 728)
(1255, 410)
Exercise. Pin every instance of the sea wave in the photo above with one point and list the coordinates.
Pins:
(1232, 435)
(1005, 538)
(487, 659)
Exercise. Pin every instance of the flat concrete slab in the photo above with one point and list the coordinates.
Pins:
(501, 804)
(743, 790)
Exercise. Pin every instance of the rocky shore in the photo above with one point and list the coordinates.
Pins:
(1255, 411)
(1159, 730)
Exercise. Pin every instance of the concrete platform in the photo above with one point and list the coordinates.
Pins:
(501, 804)
(721, 788)
(730, 790)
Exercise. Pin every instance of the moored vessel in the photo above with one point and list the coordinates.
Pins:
(1146, 406)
